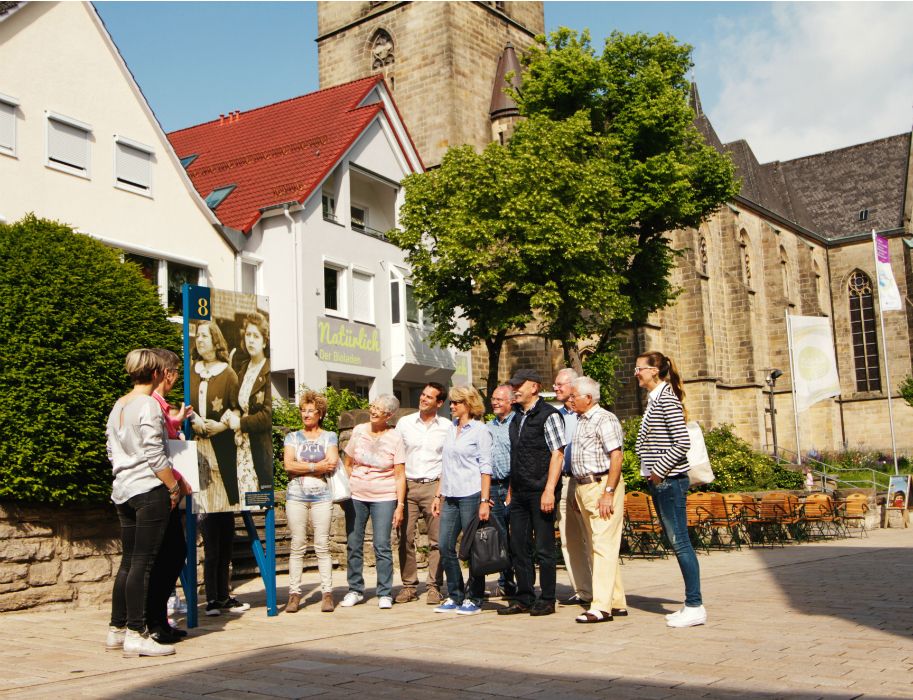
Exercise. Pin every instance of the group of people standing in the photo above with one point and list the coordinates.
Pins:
(531, 467)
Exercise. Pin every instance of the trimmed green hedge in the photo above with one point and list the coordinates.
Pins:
(70, 310)
(736, 465)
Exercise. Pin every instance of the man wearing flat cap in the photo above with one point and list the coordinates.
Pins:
(536, 457)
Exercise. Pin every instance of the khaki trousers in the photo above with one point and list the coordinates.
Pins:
(575, 542)
(605, 536)
(419, 498)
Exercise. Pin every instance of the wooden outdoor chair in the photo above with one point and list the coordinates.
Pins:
(852, 511)
(764, 521)
(790, 520)
(643, 531)
(820, 517)
(739, 507)
(726, 526)
(700, 529)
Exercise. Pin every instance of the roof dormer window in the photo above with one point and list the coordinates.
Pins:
(863, 215)
(218, 195)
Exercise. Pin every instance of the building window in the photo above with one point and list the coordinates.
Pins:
(218, 195)
(359, 218)
(68, 145)
(862, 327)
(863, 214)
(334, 290)
(362, 297)
(328, 203)
(394, 302)
(186, 161)
(249, 274)
(8, 107)
(133, 166)
(169, 276)
(411, 304)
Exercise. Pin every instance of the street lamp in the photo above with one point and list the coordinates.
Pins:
(771, 381)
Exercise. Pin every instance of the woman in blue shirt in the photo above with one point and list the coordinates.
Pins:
(311, 455)
(463, 493)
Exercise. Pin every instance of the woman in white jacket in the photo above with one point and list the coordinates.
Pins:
(662, 445)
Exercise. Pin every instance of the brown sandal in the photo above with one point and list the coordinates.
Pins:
(591, 617)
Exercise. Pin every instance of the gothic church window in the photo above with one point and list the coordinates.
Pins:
(862, 328)
(702, 255)
(784, 273)
(381, 50)
(746, 258)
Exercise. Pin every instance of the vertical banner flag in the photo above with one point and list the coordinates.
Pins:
(814, 364)
(888, 294)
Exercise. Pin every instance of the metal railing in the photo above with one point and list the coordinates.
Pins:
(825, 473)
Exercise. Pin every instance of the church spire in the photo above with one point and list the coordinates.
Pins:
(502, 105)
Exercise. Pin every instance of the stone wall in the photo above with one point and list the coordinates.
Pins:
(51, 556)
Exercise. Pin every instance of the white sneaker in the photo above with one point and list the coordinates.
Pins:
(689, 617)
(670, 616)
(136, 644)
(385, 602)
(115, 638)
(351, 598)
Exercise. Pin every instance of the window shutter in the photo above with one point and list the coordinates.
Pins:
(7, 128)
(363, 294)
(68, 145)
(133, 166)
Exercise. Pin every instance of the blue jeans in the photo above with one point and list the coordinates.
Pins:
(357, 514)
(456, 513)
(669, 499)
(143, 521)
(500, 512)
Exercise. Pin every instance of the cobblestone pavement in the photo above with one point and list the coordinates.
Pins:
(819, 620)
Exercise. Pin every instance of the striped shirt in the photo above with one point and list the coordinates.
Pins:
(598, 434)
(662, 441)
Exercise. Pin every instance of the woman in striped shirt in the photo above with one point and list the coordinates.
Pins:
(662, 445)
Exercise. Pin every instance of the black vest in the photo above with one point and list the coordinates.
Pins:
(529, 452)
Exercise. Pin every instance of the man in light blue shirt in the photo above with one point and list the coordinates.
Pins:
(575, 545)
(502, 400)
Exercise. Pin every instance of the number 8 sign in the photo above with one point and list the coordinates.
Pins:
(196, 303)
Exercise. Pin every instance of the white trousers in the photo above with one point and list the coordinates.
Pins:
(321, 519)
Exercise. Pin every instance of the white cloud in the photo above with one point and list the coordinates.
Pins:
(815, 77)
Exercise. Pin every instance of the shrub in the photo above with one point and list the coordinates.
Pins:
(736, 465)
(286, 418)
(70, 310)
(604, 367)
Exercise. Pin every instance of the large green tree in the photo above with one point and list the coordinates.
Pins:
(636, 95)
(70, 310)
(565, 223)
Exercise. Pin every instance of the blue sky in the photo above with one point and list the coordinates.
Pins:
(790, 78)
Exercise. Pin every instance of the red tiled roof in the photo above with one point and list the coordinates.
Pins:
(275, 154)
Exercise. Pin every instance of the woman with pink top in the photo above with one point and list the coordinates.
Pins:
(375, 459)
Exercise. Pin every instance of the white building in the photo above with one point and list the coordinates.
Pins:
(312, 183)
(79, 144)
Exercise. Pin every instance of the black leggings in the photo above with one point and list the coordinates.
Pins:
(143, 520)
(165, 571)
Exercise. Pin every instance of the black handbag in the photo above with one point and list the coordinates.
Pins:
(489, 552)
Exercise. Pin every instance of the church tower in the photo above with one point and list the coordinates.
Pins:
(440, 59)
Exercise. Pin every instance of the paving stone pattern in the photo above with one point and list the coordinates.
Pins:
(825, 620)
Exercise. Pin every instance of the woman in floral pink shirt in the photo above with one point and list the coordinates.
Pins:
(375, 459)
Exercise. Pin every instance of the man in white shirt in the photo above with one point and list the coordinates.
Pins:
(575, 546)
(423, 434)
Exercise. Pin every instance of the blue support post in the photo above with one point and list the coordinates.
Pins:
(266, 558)
(189, 572)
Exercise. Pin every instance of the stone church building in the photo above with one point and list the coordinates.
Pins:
(797, 239)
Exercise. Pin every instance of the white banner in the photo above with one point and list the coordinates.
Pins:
(813, 359)
(888, 294)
